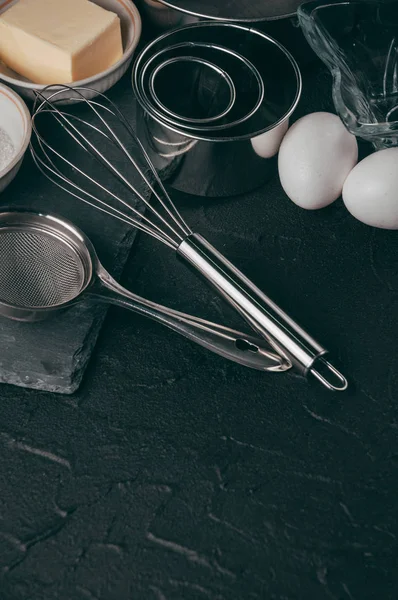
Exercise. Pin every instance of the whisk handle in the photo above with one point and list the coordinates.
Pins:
(263, 315)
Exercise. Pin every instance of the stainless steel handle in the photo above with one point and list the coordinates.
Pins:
(233, 345)
(264, 316)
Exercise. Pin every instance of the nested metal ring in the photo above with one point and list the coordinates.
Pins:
(223, 96)
(247, 81)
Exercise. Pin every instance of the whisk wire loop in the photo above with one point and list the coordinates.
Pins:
(169, 206)
(175, 231)
(96, 203)
(44, 165)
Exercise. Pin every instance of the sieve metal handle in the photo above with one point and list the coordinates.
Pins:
(233, 345)
(288, 339)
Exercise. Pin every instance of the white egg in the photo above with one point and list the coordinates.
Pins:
(315, 158)
(370, 191)
(267, 144)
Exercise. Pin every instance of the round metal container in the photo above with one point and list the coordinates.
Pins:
(225, 161)
(276, 18)
(181, 12)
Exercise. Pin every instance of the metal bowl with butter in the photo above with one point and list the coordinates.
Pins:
(51, 62)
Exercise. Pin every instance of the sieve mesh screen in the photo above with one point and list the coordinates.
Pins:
(38, 270)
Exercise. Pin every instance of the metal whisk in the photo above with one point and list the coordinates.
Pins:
(104, 135)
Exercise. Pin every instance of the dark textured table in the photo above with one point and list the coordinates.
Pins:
(173, 474)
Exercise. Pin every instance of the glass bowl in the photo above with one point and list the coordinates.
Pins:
(358, 42)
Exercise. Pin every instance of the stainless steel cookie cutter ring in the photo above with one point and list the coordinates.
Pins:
(222, 74)
(190, 46)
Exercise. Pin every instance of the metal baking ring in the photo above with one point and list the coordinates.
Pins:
(143, 95)
(202, 61)
(277, 67)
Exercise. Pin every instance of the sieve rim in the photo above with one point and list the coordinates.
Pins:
(50, 225)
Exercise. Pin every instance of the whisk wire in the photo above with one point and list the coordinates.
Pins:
(170, 206)
(65, 120)
(97, 203)
(144, 177)
(142, 223)
(108, 165)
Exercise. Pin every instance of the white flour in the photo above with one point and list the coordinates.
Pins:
(7, 150)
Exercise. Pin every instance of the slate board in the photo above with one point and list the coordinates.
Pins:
(54, 354)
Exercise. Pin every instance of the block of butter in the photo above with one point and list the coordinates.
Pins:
(59, 41)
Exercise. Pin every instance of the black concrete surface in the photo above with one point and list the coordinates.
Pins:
(173, 474)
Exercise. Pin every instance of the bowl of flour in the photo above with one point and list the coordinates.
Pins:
(15, 134)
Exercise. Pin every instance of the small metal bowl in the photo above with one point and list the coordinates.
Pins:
(172, 13)
(276, 18)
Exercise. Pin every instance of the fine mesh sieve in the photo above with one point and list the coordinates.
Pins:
(47, 265)
(37, 270)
